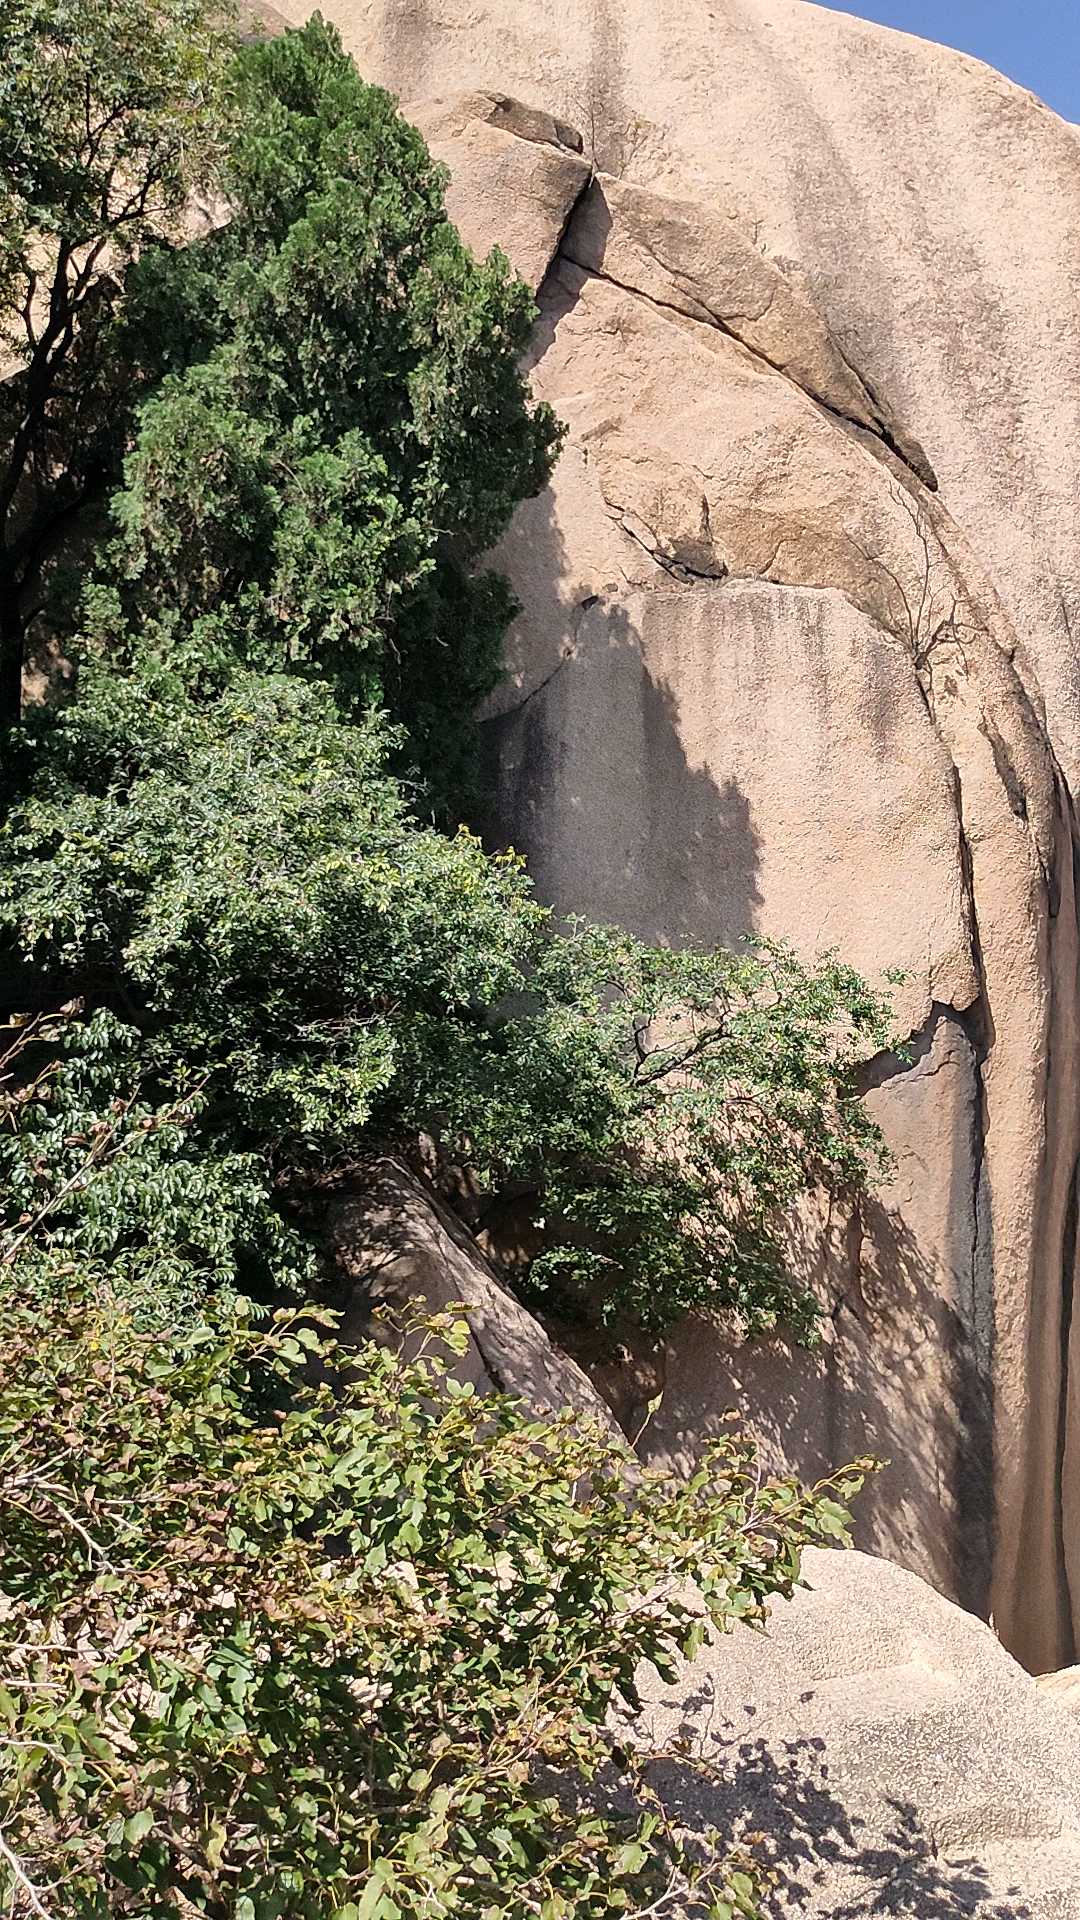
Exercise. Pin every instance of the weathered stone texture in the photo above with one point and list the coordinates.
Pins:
(893, 1756)
(514, 173)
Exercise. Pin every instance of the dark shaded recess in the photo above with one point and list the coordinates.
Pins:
(1068, 1302)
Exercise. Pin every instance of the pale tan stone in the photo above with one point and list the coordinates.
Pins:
(887, 1752)
(700, 262)
(397, 1248)
(926, 207)
(515, 175)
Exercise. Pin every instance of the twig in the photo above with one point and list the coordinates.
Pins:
(24, 1882)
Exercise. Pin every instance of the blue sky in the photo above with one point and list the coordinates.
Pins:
(1036, 42)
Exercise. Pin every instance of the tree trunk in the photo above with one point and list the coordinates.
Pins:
(12, 645)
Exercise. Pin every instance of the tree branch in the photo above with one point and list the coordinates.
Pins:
(21, 1877)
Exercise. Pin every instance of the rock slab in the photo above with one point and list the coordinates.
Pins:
(395, 1247)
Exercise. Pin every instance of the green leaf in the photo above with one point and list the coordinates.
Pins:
(138, 1825)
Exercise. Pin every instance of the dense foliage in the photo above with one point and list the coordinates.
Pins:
(110, 113)
(273, 1648)
(666, 1110)
(107, 1177)
(343, 430)
(292, 1630)
(332, 423)
(243, 881)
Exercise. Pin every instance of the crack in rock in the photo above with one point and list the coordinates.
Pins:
(912, 459)
(670, 564)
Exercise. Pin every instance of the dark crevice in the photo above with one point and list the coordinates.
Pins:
(1014, 791)
(557, 251)
(533, 127)
(909, 453)
(1017, 798)
(902, 1062)
(568, 653)
(974, 1356)
(678, 569)
(1068, 1296)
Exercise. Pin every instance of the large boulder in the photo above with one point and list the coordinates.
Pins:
(797, 657)
(892, 1756)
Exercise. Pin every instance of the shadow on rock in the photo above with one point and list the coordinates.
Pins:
(776, 1799)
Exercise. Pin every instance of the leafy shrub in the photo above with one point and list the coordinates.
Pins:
(666, 1109)
(106, 1173)
(246, 875)
(291, 1632)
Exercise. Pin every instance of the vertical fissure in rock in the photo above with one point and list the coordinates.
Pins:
(1068, 1296)
(974, 1358)
(558, 250)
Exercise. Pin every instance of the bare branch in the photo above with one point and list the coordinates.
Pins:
(20, 1875)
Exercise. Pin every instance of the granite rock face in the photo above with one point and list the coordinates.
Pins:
(797, 657)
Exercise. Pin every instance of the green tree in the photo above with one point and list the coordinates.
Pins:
(344, 430)
(241, 881)
(320, 402)
(109, 111)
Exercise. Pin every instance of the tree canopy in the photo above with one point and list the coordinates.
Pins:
(342, 430)
(109, 118)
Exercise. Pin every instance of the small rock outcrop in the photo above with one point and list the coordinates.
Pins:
(394, 1246)
(797, 657)
(516, 169)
